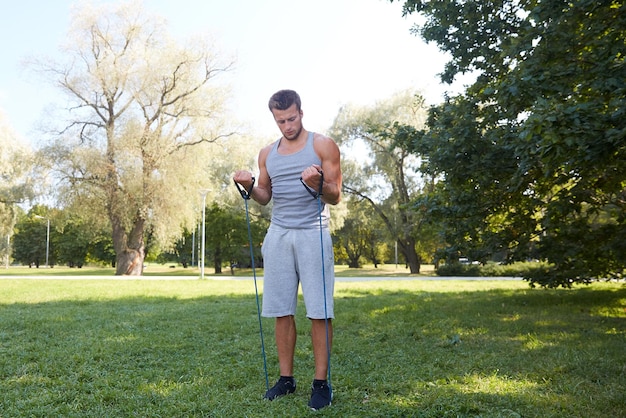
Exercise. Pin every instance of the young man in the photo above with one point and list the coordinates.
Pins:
(292, 247)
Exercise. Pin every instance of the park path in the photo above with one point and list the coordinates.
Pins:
(338, 279)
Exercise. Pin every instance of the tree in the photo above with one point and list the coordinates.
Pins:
(376, 247)
(101, 249)
(16, 181)
(30, 242)
(227, 238)
(145, 112)
(360, 237)
(533, 151)
(352, 236)
(181, 252)
(386, 174)
(72, 241)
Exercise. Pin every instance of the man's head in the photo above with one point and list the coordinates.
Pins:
(284, 99)
(285, 107)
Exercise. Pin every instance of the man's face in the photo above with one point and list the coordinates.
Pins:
(289, 121)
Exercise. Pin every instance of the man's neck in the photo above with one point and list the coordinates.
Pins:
(288, 146)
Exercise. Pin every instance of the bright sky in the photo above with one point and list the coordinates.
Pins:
(332, 52)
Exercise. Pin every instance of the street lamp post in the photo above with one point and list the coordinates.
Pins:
(193, 247)
(47, 237)
(8, 249)
(204, 193)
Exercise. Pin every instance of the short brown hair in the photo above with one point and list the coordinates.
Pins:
(283, 99)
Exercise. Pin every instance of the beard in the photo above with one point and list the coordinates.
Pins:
(293, 135)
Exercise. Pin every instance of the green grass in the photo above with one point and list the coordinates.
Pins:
(424, 348)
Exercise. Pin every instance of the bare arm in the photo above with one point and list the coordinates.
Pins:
(262, 190)
(329, 154)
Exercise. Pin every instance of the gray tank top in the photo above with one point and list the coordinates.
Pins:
(293, 206)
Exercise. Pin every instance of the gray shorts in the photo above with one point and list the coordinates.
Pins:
(292, 257)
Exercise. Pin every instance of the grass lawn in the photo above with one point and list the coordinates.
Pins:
(423, 348)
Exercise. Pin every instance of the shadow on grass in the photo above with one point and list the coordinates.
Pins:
(397, 353)
(489, 353)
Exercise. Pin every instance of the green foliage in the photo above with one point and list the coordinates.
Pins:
(361, 236)
(227, 240)
(143, 113)
(519, 269)
(458, 269)
(182, 251)
(31, 236)
(533, 152)
(72, 242)
(154, 348)
(101, 249)
(17, 182)
(386, 175)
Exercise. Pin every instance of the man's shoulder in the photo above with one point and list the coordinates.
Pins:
(323, 140)
(266, 149)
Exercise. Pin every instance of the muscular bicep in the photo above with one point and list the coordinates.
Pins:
(263, 193)
(328, 152)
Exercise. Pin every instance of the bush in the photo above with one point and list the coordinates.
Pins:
(458, 269)
(522, 269)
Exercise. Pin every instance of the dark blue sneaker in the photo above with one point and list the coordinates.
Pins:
(321, 396)
(284, 386)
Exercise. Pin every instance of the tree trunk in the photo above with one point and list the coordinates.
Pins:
(354, 264)
(410, 255)
(217, 259)
(130, 262)
(354, 259)
(129, 248)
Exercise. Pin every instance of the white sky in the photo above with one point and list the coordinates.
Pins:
(332, 52)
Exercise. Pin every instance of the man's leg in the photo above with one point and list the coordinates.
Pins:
(321, 392)
(285, 333)
(320, 349)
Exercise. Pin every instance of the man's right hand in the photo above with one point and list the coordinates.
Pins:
(244, 178)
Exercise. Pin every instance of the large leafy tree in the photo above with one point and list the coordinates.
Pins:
(16, 181)
(533, 151)
(73, 240)
(144, 110)
(34, 240)
(228, 240)
(352, 238)
(382, 171)
(362, 236)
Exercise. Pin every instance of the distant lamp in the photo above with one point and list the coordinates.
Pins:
(47, 237)
(203, 192)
